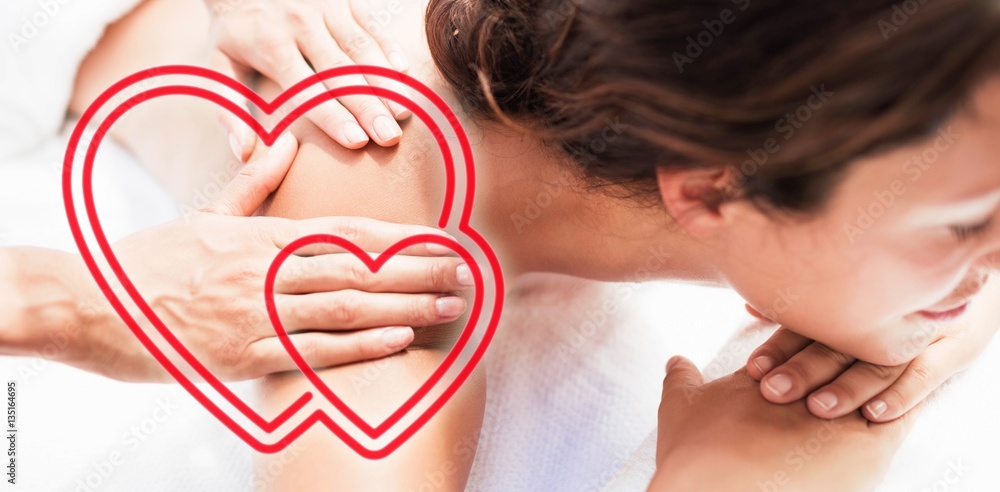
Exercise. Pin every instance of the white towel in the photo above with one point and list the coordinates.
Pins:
(44, 42)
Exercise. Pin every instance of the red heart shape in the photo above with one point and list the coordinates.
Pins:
(268, 137)
(373, 264)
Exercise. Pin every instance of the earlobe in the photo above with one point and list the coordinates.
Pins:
(694, 197)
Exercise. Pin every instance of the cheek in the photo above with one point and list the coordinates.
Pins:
(854, 307)
(919, 277)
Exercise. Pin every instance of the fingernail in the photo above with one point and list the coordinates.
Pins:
(237, 148)
(398, 61)
(764, 364)
(397, 338)
(673, 362)
(877, 408)
(826, 399)
(449, 307)
(399, 111)
(779, 384)
(386, 128)
(284, 143)
(464, 275)
(437, 249)
(354, 133)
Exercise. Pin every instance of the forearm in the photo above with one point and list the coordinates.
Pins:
(177, 138)
(438, 456)
(47, 299)
(403, 184)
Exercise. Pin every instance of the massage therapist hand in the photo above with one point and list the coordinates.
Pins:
(204, 277)
(287, 41)
(723, 435)
(792, 367)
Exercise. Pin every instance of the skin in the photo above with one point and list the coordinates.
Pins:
(860, 295)
(907, 260)
(216, 308)
(283, 39)
(857, 295)
(791, 449)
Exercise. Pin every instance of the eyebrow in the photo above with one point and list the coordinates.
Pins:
(959, 210)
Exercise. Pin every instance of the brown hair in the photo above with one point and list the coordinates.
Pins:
(626, 86)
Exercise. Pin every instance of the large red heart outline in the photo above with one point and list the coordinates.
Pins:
(268, 137)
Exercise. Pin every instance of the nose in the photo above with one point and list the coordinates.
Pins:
(991, 262)
(973, 283)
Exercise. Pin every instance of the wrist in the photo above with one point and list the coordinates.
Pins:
(696, 469)
(49, 292)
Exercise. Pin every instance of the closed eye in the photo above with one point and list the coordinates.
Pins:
(969, 232)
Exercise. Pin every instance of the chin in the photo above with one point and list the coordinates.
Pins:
(901, 352)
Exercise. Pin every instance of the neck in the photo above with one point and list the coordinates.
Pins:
(542, 216)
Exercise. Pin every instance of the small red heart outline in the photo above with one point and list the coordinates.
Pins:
(374, 265)
(268, 137)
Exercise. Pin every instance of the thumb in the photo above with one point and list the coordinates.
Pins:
(681, 384)
(898, 429)
(241, 138)
(256, 180)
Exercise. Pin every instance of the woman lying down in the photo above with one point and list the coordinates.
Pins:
(761, 161)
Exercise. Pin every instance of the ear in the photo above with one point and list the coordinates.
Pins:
(694, 197)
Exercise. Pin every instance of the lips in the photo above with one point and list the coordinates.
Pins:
(972, 288)
(945, 315)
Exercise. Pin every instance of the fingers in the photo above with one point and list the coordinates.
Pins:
(900, 427)
(379, 30)
(256, 180)
(852, 389)
(782, 345)
(401, 274)
(353, 309)
(755, 313)
(328, 349)
(369, 111)
(288, 68)
(682, 376)
(368, 234)
(242, 139)
(682, 382)
(362, 48)
(812, 367)
(921, 376)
